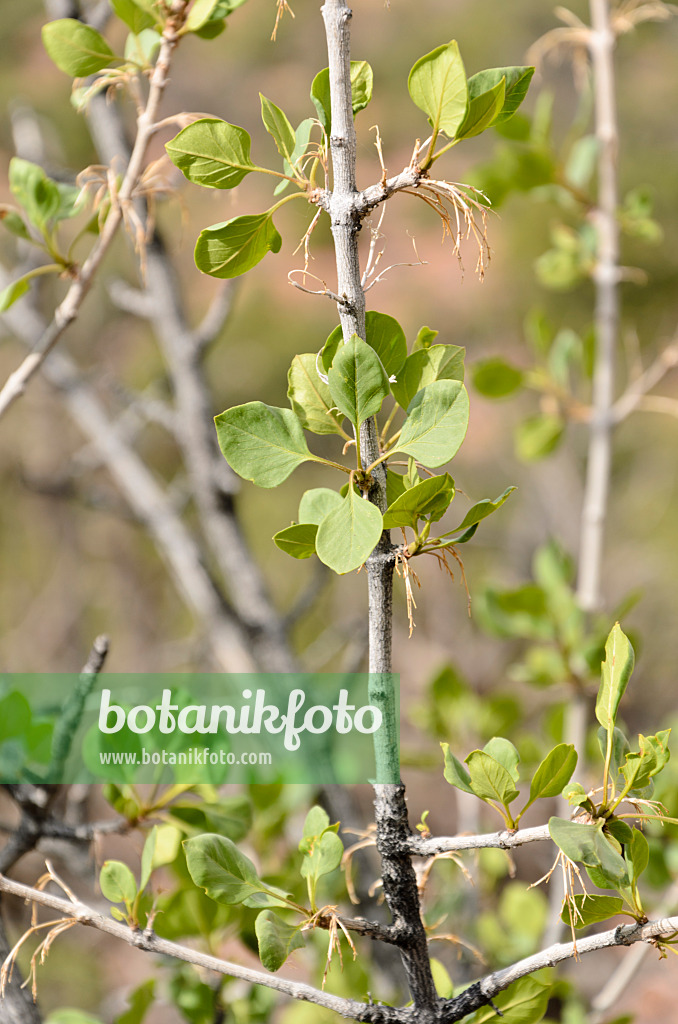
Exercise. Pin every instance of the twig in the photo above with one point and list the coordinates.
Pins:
(69, 308)
(635, 396)
(493, 840)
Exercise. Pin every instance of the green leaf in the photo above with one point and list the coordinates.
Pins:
(276, 938)
(278, 127)
(139, 1001)
(587, 845)
(262, 443)
(348, 535)
(426, 365)
(361, 91)
(297, 540)
(134, 16)
(538, 436)
(591, 908)
(316, 822)
(317, 503)
(429, 498)
(37, 193)
(489, 779)
(481, 510)
(455, 773)
(303, 135)
(142, 49)
(75, 48)
(576, 795)
(310, 397)
(554, 772)
(517, 83)
(227, 875)
(620, 748)
(441, 979)
(616, 672)
(495, 378)
(235, 246)
(503, 751)
(523, 1003)
(483, 107)
(147, 856)
(619, 830)
(639, 768)
(323, 856)
(212, 152)
(12, 292)
(638, 854)
(357, 381)
(198, 16)
(437, 84)
(437, 419)
(425, 338)
(69, 1016)
(382, 333)
(12, 220)
(117, 883)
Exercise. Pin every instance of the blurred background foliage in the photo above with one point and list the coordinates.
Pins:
(74, 563)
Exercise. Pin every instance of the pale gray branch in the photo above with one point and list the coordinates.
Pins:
(505, 840)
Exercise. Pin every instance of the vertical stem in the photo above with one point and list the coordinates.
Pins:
(393, 831)
(606, 321)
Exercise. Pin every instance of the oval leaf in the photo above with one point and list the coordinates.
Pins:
(481, 510)
(517, 83)
(437, 84)
(616, 672)
(212, 152)
(235, 246)
(298, 540)
(591, 908)
(455, 773)
(278, 127)
(117, 883)
(436, 423)
(261, 443)
(276, 939)
(489, 779)
(430, 498)
(426, 365)
(227, 875)
(357, 381)
(483, 108)
(554, 772)
(495, 378)
(587, 845)
(310, 397)
(361, 91)
(75, 48)
(348, 536)
(317, 503)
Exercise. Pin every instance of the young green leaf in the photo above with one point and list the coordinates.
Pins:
(382, 333)
(591, 908)
(437, 419)
(147, 856)
(317, 503)
(216, 865)
(276, 939)
(348, 535)
(554, 772)
(316, 822)
(117, 883)
(517, 83)
(503, 751)
(357, 381)
(134, 16)
(587, 845)
(278, 127)
(212, 152)
(297, 540)
(12, 292)
(437, 84)
(76, 48)
(425, 338)
(429, 498)
(489, 779)
(302, 135)
(142, 49)
(616, 672)
(198, 16)
(620, 748)
(235, 246)
(323, 856)
(455, 773)
(483, 108)
(524, 1002)
(12, 221)
(538, 436)
(37, 193)
(310, 397)
(495, 378)
(481, 510)
(361, 91)
(139, 1002)
(426, 365)
(576, 795)
(262, 443)
(638, 855)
